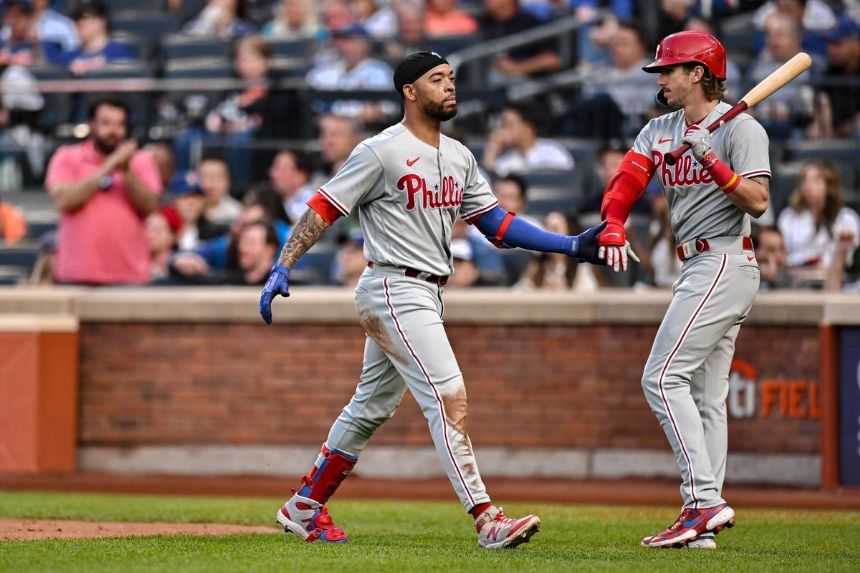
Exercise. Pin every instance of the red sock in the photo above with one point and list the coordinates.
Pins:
(480, 508)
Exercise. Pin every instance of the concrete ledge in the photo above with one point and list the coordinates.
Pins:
(475, 306)
(420, 463)
(38, 323)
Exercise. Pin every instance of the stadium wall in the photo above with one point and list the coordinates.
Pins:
(191, 382)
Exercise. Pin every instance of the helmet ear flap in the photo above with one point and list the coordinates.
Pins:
(660, 98)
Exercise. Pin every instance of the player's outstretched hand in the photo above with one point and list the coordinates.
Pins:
(278, 284)
(699, 139)
(586, 245)
(616, 257)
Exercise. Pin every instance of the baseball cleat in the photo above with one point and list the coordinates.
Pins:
(310, 520)
(691, 524)
(496, 531)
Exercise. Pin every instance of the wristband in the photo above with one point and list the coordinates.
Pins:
(726, 179)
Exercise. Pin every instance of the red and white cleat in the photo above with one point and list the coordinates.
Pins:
(691, 524)
(496, 531)
(310, 520)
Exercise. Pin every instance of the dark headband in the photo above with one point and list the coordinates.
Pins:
(414, 66)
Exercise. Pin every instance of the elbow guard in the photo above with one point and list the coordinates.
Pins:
(626, 186)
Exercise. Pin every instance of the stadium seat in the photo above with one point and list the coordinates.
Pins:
(148, 23)
(22, 257)
(58, 106)
(515, 261)
(139, 102)
(836, 150)
(314, 268)
(183, 46)
(291, 48)
(198, 69)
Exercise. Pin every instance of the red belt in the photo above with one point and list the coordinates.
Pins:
(702, 246)
(421, 275)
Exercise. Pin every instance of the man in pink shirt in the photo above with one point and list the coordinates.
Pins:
(104, 188)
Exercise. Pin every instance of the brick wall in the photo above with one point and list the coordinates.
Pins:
(565, 386)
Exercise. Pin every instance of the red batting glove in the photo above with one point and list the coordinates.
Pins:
(613, 235)
(613, 247)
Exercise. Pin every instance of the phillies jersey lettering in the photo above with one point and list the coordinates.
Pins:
(408, 195)
(699, 209)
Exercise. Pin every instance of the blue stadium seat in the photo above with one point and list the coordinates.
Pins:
(58, 106)
(314, 268)
(515, 261)
(148, 23)
(183, 46)
(139, 102)
(291, 48)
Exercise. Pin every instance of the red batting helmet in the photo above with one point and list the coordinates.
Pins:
(686, 47)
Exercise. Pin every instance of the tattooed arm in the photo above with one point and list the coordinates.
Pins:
(305, 233)
(752, 195)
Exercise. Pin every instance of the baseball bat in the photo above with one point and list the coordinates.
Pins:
(780, 77)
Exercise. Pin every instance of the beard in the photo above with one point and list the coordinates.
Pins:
(438, 112)
(106, 146)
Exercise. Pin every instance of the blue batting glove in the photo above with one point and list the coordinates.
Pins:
(585, 245)
(278, 284)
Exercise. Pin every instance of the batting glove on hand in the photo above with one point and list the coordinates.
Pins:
(699, 139)
(613, 247)
(585, 245)
(278, 284)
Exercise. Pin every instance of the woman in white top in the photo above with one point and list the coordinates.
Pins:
(816, 225)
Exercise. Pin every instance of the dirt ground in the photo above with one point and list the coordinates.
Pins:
(621, 492)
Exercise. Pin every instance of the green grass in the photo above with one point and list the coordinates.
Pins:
(426, 536)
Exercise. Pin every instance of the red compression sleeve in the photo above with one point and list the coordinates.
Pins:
(726, 179)
(626, 186)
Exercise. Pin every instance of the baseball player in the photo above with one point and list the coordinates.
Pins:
(712, 191)
(408, 184)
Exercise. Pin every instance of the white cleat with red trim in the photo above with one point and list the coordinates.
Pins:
(496, 531)
(309, 520)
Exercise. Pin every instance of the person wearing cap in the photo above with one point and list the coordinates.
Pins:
(843, 59)
(34, 32)
(185, 194)
(97, 49)
(713, 189)
(408, 185)
(353, 68)
(103, 188)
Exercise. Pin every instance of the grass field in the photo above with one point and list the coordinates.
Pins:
(426, 536)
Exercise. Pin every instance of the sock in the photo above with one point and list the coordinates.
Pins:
(480, 508)
(330, 469)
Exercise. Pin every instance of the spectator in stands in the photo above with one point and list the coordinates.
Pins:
(13, 225)
(289, 177)
(353, 69)
(338, 137)
(511, 190)
(187, 198)
(444, 18)
(349, 262)
(673, 16)
(550, 271)
(336, 15)
(613, 105)
(219, 18)
(54, 30)
(466, 273)
(771, 257)
(410, 37)
(787, 112)
(843, 99)
(255, 112)
(19, 45)
(162, 230)
(104, 188)
(215, 257)
(660, 258)
(214, 176)
(256, 251)
(97, 49)
(163, 155)
(294, 20)
(812, 18)
(376, 17)
(504, 18)
(817, 226)
(609, 158)
(515, 146)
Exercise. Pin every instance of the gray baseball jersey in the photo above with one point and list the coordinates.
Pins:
(686, 376)
(408, 195)
(699, 209)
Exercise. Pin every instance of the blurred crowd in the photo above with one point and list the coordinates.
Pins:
(201, 186)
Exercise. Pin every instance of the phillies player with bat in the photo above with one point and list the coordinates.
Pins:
(408, 184)
(712, 190)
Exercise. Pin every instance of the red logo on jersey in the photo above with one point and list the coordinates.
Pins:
(663, 140)
(680, 174)
(450, 194)
(413, 162)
